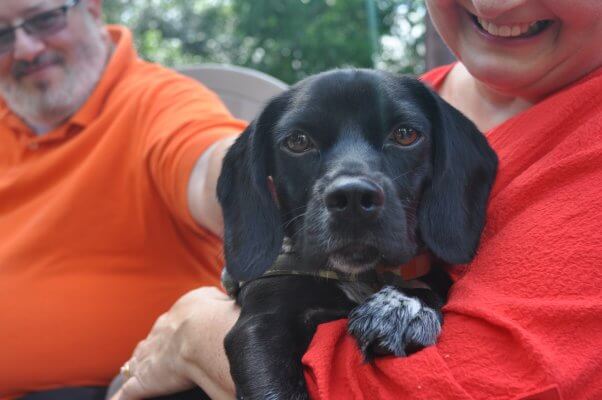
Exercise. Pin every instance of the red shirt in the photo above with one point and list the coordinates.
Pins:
(524, 320)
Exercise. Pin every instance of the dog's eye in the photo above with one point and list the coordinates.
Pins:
(298, 142)
(405, 136)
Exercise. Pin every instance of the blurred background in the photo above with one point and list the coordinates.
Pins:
(288, 39)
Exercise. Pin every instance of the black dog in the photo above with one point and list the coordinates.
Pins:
(357, 171)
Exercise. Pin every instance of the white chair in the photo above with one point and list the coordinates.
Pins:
(243, 90)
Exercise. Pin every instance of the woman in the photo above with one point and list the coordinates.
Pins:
(522, 320)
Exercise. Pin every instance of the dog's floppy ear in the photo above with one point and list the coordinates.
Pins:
(252, 226)
(452, 211)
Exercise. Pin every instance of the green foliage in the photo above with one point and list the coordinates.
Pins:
(288, 39)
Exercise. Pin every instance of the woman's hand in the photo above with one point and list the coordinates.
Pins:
(185, 347)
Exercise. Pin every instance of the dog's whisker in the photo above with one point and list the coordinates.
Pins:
(401, 175)
(297, 208)
(290, 221)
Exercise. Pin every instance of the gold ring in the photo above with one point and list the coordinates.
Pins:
(125, 371)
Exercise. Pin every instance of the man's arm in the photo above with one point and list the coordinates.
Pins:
(202, 199)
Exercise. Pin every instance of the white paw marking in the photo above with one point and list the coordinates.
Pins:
(392, 321)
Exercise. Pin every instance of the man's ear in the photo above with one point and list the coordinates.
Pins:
(452, 211)
(252, 224)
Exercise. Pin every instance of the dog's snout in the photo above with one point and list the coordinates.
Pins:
(354, 198)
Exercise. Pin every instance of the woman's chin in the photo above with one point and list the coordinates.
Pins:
(503, 74)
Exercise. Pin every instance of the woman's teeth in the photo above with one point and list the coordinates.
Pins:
(511, 31)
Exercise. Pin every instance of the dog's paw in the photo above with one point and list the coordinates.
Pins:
(389, 322)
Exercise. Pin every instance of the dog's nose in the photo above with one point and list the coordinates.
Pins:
(354, 198)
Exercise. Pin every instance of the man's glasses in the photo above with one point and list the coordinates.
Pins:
(39, 25)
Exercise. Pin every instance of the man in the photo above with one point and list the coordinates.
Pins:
(108, 166)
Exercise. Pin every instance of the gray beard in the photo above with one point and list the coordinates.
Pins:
(44, 105)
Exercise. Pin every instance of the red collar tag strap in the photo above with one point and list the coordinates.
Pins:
(416, 268)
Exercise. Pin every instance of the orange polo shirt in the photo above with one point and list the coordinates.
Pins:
(96, 239)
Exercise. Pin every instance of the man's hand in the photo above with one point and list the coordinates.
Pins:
(184, 348)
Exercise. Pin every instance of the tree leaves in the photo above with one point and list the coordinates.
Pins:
(288, 39)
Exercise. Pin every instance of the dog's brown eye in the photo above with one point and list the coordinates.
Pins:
(405, 136)
(298, 142)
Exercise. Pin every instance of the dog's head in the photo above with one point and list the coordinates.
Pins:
(357, 167)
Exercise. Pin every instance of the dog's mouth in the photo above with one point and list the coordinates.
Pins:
(355, 258)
